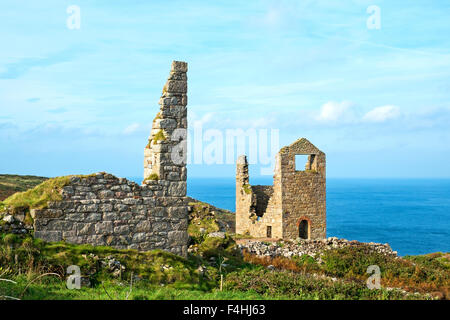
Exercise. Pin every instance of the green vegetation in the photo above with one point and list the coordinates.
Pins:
(201, 222)
(10, 184)
(420, 273)
(153, 176)
(304, 287)
(161, 275)
(205, 218)
(39, 268)
(213, 248)
(24, 255)
(52, 288)
(159, 136)
(247, 188)
(38, 197)
(424, 274)
(246, 235)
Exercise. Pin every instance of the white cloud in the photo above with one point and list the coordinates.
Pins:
(334, 111)
(382, 114)
(132, 128)
(202, 119)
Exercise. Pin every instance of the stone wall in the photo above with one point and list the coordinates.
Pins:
(313, 248)
(276, 211)
(303, 191)
(244, 219)
(257, 207)
(105, 210)
(14, 223)
(165, 152)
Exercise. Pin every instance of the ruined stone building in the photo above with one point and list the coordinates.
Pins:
(294, 206)
(101, 209)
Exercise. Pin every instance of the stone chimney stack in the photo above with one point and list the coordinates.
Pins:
(242, 177)
(165, 152)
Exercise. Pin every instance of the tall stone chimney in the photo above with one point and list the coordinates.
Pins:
(165, 152)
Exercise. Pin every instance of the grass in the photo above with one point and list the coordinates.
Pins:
(418, 273)
(205, 218)
(304, 287)
(37, 197)
(26, 255)
(153, 176)
(52, 288)
(10, 184)
(341, 273)
(161, 275)
(239, 236)
(201, 222)
(423, 274)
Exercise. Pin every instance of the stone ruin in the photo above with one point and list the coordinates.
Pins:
(294, 206)
(164, 155)
(102, 209)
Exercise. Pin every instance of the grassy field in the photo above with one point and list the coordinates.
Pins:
(32, 269)
(215, 268)
(10, 184)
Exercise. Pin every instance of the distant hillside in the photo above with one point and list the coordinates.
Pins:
(11, 183)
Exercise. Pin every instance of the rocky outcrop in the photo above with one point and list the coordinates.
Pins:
(225, 219)
(14, 224)
(313, 248)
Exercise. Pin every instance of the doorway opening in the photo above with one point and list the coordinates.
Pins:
(269, 231)
(303, 229)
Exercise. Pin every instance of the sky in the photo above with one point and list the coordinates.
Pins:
(369, 88)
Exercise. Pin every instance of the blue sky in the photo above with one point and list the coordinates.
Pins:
(82, 100)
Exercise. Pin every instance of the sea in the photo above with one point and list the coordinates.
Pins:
(412, 215)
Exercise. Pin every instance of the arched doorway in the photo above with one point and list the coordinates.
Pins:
(303, 229)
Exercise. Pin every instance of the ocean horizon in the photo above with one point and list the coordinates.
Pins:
(412, 215)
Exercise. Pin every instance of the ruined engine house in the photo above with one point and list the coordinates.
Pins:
(294, 206)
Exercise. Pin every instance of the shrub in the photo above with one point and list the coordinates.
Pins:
(25, 254)
(299, 286)
(418, 273)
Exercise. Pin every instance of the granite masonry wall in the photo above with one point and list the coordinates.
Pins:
(165, 152)
(303, 191)
(257, 207)
(102, 209)
(105, 210)
(294, 207)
